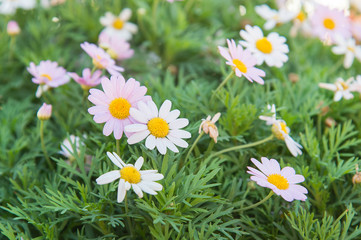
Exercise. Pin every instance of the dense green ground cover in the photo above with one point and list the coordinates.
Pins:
(176, 58)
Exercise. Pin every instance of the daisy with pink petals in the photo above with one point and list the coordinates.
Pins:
(115, 46)
(88, 80)
(242, 62)
(112, 106)
(328, 23)
(48, 75)
(283, 182)
(101, 59)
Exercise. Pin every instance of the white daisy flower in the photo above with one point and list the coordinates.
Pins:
(341, 88)
(348, 48)
(10, 6)
(271, 49)
(67, 149)
(274, 17)
(161, 128)
(119, 25)
(281, 131)
(131, 176)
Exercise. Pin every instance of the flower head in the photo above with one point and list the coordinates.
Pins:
(112, 106)
(88, 79)
(101, 59)
(328, 23)
(131, 176)
(67, 149)
(348, 48)
(341, 88)
(161, 128)
(242, 62)
(283, 181)
(115, 46)
(10, 6)
(44, 112)
(48, 73)
(119, 25)
(209, 126)
(271, 49)
(273, 16)
(13, 28)
(281, 131)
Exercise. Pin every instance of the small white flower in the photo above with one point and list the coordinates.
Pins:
(161, 128)
(119, 25)
(281, 131)
(341, 88)
(271, 49)
(67, 149)
(348, 48)
(131, 176)
(274, 17)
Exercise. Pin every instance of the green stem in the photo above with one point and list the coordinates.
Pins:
(222, 84)
(43, 144)
(194, 144)
(93, 70)
(339, 218)
(258, 203)
(243, 146)
(128, 218)
(117, 141)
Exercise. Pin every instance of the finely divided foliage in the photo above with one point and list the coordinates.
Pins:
(223, 121)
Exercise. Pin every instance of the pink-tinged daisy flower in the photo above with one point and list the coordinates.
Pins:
(328, 23)
(44, 112)
(101, 59)
(283, 181)
(129, 176)
(348, 48)
(13, 28)
(209, 126)
(281, 131)
(271, 49)
(119, 25)
(112, 106)
(160, 128)
(88, 80)
(356, 27)
(301, 23)
(242, 62)
(115, 46)
(274, 17)
(341, 88)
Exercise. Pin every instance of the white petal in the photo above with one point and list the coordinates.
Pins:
(137, 190)
(150, 142)
(121, 191)
(179, 123)
(139, 163)
(135, 127)
(137, 137)
(108, 177)
(146, 188)
(180, 133)
(137, 115)
(164, 109)
(160, 146)
(173, 115)
(117, 161)
(152, 177)
(177, 141)
(170, 145)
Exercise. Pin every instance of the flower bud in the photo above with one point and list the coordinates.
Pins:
(13, 28)
(44, 112)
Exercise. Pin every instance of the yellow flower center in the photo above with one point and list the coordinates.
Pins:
(119, 108)
(301, 16)
(264, 45)
(343, 85)
(279, 181)
(279, 132)
(112, 53)
(96, 62)
(158, 127)
(118, 24)
(240, 65)
(130, 174)
(46, 76)
(329, 23)
(351, 49)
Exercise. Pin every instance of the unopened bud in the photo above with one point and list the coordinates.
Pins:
(330, 122)
(44, 112)
(13, 28)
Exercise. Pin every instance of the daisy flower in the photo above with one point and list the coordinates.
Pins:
(67, 149)
(88, 79)
(101, 59)
(112, 106)
(10, 6)
(271, 49)
(341, 88)
(328, 23)
(130, 175)
(48, 75)
(283, 181)
(160, 128)
(13, 28)
(281, 131)
(209, 126)
(242, 62)
(301, 23)
(348, 48)
(356, 27)
(115, 46)
(119, 25)
(274, 17)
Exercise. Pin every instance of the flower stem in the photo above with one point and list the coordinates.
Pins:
(43, 145)
(192, 147)
(222, 84)
(128, 218)
(117, 141)
(243, 146)
(93, 70)
(258, 203)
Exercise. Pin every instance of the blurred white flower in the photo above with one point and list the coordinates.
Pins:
(348, 48)
(10, 6)
(67, 149)
(274, 17)
(341, 88)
